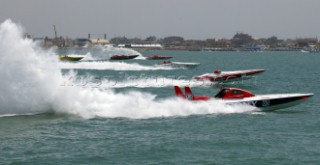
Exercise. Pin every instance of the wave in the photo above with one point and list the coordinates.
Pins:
(106, 65)
(31, 84)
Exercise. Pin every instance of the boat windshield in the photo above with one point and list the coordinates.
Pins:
(222, 93)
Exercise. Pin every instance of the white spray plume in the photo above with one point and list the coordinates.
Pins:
(29, 75)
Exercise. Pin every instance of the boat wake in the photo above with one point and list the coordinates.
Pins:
(107, 65)
(131, 81)
(31, 84)
(106, 52)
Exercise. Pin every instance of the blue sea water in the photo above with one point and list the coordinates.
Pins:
(288, 136)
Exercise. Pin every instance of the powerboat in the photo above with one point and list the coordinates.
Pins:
(157, 57)
(123, 57)
(70, 57)
(235, 96)
(184, 65)
(225, 76)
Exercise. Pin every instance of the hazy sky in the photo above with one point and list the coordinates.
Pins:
(191, 19)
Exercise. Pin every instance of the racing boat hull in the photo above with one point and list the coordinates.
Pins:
(157, 57)
(228, 76)
(123, 57)
(70, 57)
(271, 102)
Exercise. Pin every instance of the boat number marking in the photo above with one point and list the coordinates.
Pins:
(265, 103)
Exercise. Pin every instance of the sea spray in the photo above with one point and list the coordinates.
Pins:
(92, 103)
(107, 65)
(29, 75)
(31, 83)
(149, 82)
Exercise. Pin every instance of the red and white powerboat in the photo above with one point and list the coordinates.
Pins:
(232, 96)
(224, 76)
(157, 57)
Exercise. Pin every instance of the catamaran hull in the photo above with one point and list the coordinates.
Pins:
(70, 58)
(123, 57)
(272, 104)
(229, 76)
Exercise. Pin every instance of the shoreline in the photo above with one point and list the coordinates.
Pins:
(202, 50)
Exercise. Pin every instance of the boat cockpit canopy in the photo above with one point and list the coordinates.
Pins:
(233, 93)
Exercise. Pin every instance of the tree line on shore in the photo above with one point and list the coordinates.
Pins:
(240, 41)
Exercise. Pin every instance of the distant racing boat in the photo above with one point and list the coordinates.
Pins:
(70, 57)
(185, 65)
(123, 57)
(225, 76)
(157, 57)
